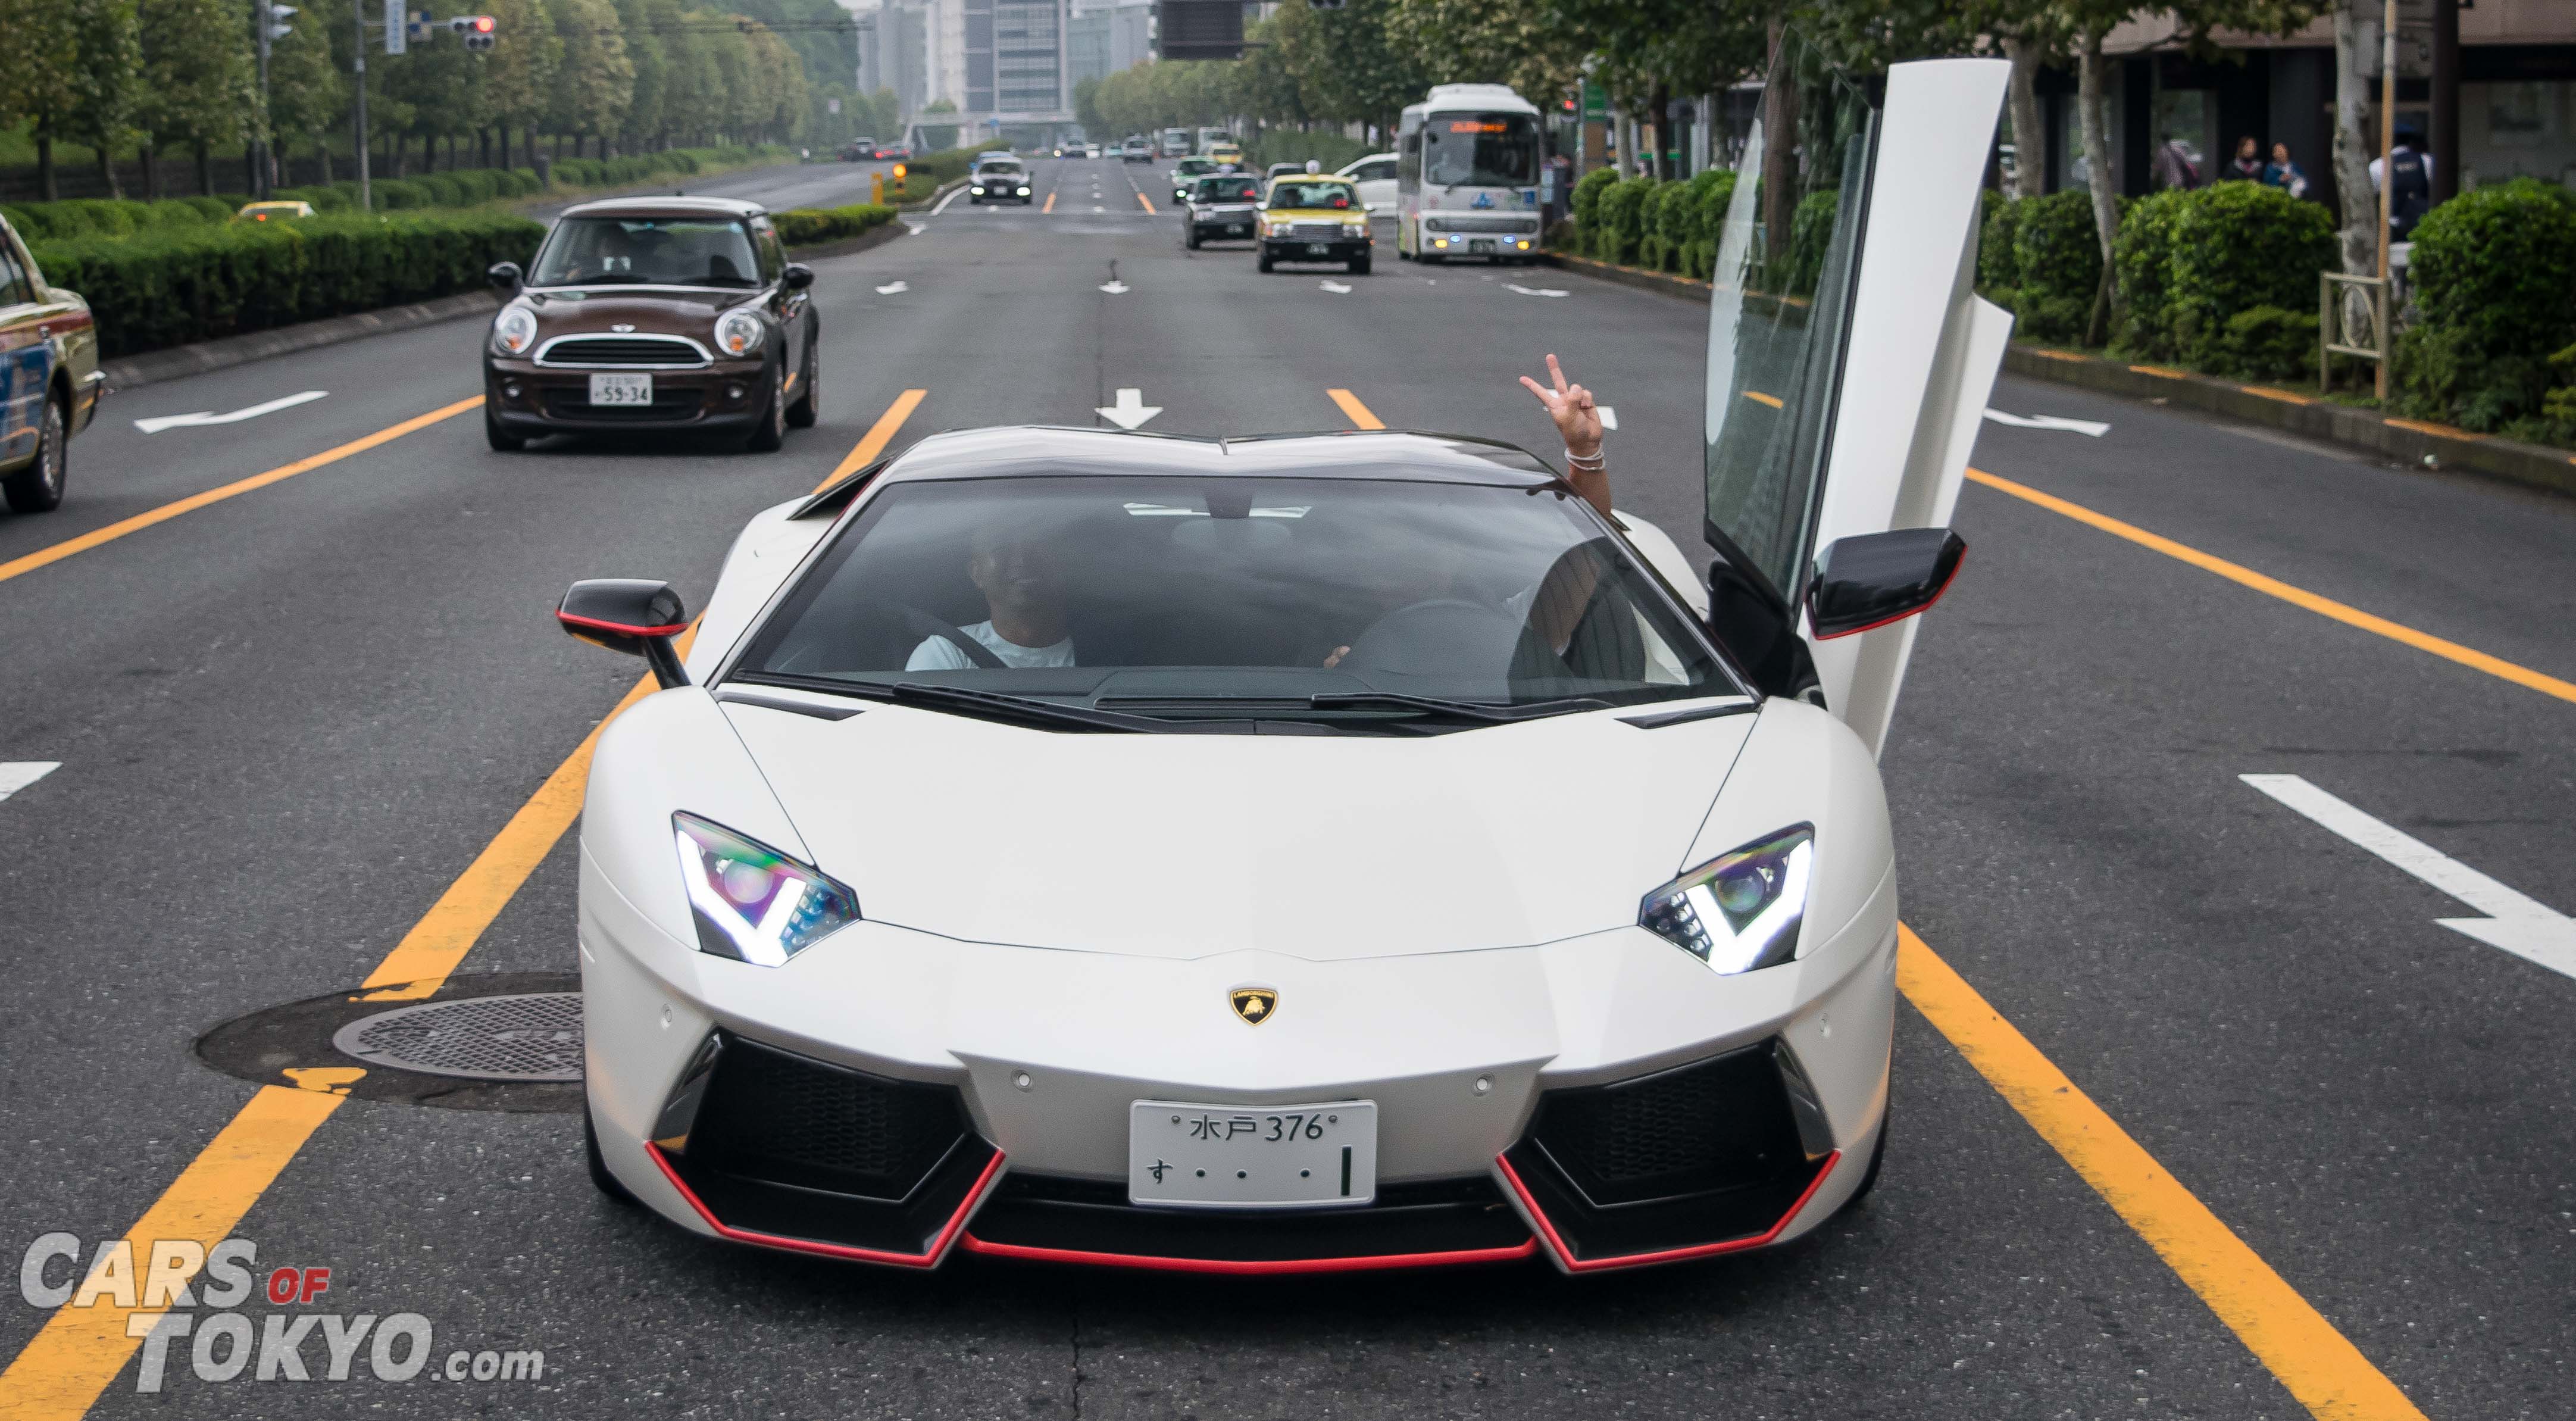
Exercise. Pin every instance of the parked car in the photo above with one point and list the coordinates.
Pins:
(998, 179)
(654, 313)
(1220, 206)
(263, 211)
(50, 382)
(1376, 176)
(1315, 217)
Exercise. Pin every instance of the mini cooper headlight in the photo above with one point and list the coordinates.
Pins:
(514, 330)
(1741, 910)
(753, 903)
(740, 332)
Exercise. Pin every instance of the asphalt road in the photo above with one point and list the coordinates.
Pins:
(289, 719)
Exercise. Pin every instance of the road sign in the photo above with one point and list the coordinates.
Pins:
(397, 32)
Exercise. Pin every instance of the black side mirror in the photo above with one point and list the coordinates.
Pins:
(798, 276)
(504, 275)
(629, 615)
(1878, 578)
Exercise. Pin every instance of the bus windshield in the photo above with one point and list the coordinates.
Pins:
(1480, 150)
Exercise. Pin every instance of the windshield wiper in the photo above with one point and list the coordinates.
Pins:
(1486, 712)
(989, 705)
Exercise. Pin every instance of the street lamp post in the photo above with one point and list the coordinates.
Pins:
(358, 67)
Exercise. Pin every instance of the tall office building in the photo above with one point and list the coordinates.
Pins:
(1106, 36)
(893, 44)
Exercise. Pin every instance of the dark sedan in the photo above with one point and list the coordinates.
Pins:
(664, 313)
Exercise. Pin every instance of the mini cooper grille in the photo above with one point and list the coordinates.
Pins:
(622, 350)
(786, 1119)
(1721, 1124)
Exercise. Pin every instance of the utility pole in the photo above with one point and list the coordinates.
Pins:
(2387, 175)
(358, 67)
(2445, 138)
(259, 183)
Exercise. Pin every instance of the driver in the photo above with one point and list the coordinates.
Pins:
(1022, 580)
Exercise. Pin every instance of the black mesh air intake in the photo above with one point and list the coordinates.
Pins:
(791, 1120)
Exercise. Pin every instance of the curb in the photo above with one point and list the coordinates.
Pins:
(932, 201)
(2415, 443)
(153, 367)
(156, 366)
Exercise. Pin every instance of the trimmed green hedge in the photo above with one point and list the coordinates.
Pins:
(2058, 258)
(1588, 191)
(806, 226)
(2494, 276)
(175, 285)
(1623, 220)
(2241, 248)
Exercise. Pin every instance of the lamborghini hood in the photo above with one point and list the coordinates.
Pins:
(1186, 846)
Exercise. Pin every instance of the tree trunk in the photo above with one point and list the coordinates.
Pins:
(1779, 173)
(151, 173)
(107, 171)
(45, 184)
(323, 146)
(2030, 131)
(502, 131)
(482, 147)
(2099, 177)
(2359, 233)
(205, 168)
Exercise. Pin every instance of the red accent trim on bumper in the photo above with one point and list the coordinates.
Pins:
(938, 1246)
(1556, 1243)
(1243, 1267)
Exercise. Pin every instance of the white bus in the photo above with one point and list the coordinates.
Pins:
(1466, 177)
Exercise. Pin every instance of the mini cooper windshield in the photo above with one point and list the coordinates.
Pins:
(647, 251)
(1146, 601)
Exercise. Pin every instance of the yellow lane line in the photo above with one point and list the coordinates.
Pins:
(140, 521)
(2328, 1375)
(2496, 666)
(60, 1373)
(1762, 399)
(79, 1350)
(1354, 411)
(879, 435)
(1050, 202)
(1149, 202)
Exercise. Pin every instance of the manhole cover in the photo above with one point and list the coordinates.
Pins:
(534, 1037)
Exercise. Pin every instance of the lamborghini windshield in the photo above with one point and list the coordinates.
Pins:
(1320, 600)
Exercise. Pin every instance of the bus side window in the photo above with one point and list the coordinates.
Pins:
(1408, 160)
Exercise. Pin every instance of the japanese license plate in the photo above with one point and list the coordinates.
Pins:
(1317, 249)
(1481, 246)
(1258, 1157)
(621, 389)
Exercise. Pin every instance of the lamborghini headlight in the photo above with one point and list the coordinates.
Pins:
(1741, 910)
(514, 330)
(740, 332)
(753, 903)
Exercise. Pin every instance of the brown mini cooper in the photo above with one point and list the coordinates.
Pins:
(653, 313)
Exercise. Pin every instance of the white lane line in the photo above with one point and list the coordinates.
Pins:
(892, 288)
(1115, 287)
(2522, 926)
(1130, 410)
(943, 202)
(1534, 290)
(915, 228)
(16, 775)
(158, 423)
(1337, 288)
(2094, 428)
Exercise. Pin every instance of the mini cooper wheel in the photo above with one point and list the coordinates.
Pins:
(771, 432)
(809, 400)
(38, 488)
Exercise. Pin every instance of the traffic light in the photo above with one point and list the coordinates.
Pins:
(477, 30)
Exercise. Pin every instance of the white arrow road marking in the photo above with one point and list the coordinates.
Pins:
(1098, 209)
(2094, 428)
(2528, 929)
(1115, 287)
(1535, 290)
(1337, 288)
(1609, 416)
(892, 288)
(158, 423)
(915, 228)
(943, 202)
(16, 775)
(1130, 410)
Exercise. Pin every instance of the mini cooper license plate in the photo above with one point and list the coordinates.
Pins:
(621, 389)
(1257, 1157)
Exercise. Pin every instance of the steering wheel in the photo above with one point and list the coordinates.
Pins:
(1442, 636)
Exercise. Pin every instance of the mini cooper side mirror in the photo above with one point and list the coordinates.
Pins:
(798, 276)
(504, 275)
(629, 615)
(1878, 578)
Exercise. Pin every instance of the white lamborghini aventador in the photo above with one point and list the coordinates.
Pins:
(1309, 852)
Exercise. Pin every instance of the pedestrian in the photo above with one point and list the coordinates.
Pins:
(2284, 174)
(2407, 173)
(2247, 165)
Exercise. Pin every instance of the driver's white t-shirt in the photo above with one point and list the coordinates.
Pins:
(938, 653)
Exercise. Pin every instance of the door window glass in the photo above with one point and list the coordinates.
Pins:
(14, 288)
(1779, 314)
